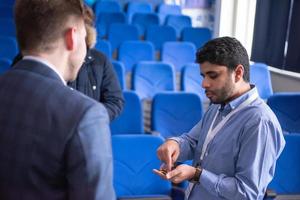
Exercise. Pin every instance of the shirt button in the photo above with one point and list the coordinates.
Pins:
(94, 87)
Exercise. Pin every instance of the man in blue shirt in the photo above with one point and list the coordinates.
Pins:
(235, 146)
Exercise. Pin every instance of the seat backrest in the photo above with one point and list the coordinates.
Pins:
(175, 113)
(8, 47)
(178, 53)
(120, 71)
(132, 52)
(7, 27)
(150, 78)
(198, 36)
(119, 33)
(158, 35)
(287, 177)
(4, 65)
(178, 22)
(130, 120)
(105, 47)
(166, 9)
(105, 20)
(260, 76)
(106, 6)
(6, 11)
(143, 20)
(287, 109)
(134, 159)
(191, 80)
(138, 7)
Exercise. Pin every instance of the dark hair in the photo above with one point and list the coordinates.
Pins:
(225, 51)
(39, 23)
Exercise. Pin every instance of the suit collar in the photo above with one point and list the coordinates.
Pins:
(37, 67)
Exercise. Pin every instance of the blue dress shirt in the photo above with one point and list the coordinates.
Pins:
(240, 160)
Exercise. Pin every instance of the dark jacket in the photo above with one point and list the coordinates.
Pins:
(97, 79)
(54, 141)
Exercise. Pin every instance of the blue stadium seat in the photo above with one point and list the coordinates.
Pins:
(178, 22)
(7, 27)
(149, 78)
(178, 53)
(144, 20)
(131, 52)
(8, 47)
(138, 7)
(287, 109)
(198, 36)
(6, 11)
(4, 65)
(105, 47)
(105, 20)
(119, 33)
(166, 9)
(166, 34)
(287, 172)
(120, 71)
(7, 2)
(131, 119)
(191, 80)
(106, 6)
(260, 76)
(175, 113)
(134, 159)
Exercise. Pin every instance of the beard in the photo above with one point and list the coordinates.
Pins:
(222, 95)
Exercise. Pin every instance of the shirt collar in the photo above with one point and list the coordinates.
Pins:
(236, 102)
(45, 62)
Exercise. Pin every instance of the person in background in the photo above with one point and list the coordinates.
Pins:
(96, 78)
(55, 142)
(235, 146)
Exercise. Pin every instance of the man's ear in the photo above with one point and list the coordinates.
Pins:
(70, 38)
(239, 72)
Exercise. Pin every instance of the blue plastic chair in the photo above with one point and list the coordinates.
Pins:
(178, 53)
(144, 20)
(7, 27)
(131, 119)
(6, 11)
(191, 80)
(4, 65)
(260, 76)
(134, 159)
(138, 7)
(105, 47)
(106, 6)
(150, 78)
(132, 52)
(175, 113)
(8, 47)
(158, 35)
(287, 109)
(178, 22)
(119, 33)
(167, 9)
(120, 72)
(105, 20)
(286, 180)
(198, 36)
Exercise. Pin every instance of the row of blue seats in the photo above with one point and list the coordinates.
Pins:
(135, 157)
(142, 21)
(136, 7)
(149, 78)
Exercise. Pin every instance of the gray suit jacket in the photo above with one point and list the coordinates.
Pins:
(54, 142)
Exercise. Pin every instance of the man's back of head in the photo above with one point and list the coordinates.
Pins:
(51, 30)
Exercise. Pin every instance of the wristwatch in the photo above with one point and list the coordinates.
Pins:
(196, 177)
